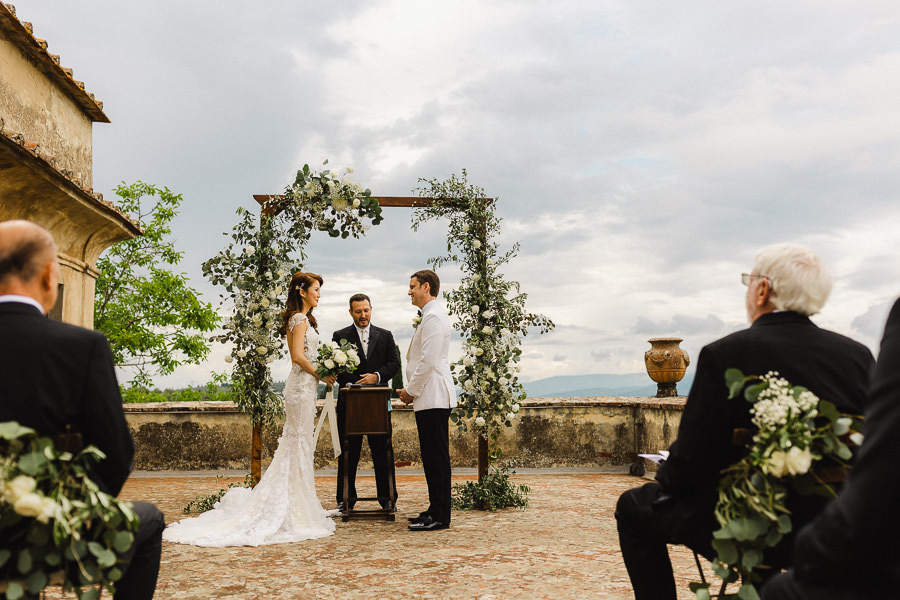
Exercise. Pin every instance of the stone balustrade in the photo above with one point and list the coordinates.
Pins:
(549, 432)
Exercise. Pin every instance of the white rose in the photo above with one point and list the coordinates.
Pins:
(515, 407)
(469, 385)
(467, 361)
(340, 358)
(334, 345)
(18, 487)
(353, 356)
(261, 350)
(349, 169)
(268, 274)
(479, 351)
(486, 330)
(229, 359)
(487, 314)
(249, 250)
(798, 461)
(476, 277)
(356, 203)
(510, 416)
(264, 303)
(776, 464)
(479, 421)
(49, 510)
(475, 309)
(241, 353)
(28, 505)
(503, 381)
(329, 364)
(465, 227)
(476, 244)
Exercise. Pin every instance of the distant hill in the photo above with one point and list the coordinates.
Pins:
(576, 386)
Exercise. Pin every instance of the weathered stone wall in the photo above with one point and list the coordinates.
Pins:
(550, 432)
(34, 106)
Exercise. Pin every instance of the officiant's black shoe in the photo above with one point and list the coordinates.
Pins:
(428, 524)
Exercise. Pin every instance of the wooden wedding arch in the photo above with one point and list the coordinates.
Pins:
(384, 201)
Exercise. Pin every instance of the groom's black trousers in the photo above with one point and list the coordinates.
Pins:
(434, 444)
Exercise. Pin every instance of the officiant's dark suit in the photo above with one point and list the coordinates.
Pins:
(379, 362)
(851, 550)
(54, 375)
(678, 507)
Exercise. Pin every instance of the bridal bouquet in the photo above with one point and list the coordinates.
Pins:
(335, 358)
(795, 431)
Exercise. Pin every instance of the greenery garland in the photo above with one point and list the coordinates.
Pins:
(54, 518)
(796, 431)
(256, 267)
(490, 311)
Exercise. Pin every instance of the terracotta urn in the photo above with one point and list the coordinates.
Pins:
(666, 364)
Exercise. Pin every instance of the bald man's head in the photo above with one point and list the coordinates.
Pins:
(28, 264)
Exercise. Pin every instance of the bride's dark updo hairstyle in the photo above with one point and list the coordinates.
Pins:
(294, 303)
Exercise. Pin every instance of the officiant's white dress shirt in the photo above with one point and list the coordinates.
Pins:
(428, 375)
(365, 333)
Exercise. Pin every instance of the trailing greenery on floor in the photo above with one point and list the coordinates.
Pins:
(493, 492)
(201, 504)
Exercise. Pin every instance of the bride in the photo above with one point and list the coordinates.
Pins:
(283, 507)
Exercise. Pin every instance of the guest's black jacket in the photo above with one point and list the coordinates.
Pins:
(852, 549)
(53, 374)
(832, 366)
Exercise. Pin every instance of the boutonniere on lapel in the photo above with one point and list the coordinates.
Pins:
(416, 320)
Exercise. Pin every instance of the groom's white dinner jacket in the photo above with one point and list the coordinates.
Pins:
(427, 367)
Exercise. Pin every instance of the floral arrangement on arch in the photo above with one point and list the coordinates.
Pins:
(55, 521)
(256, 266)
(796, 433)
(490, 311)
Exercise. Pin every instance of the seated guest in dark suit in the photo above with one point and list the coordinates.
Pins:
(786, 285)
(379, 360)
(851, 550)
(54, 375)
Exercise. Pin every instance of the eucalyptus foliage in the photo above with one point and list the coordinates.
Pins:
(493, 492)
(53, 518)
(796, 432)
(153, 319)
(256, 266)
(490, 310)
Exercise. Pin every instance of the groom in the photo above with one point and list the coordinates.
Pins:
(379, 361)
(430, 388)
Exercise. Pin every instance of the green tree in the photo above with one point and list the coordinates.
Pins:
(153, 318)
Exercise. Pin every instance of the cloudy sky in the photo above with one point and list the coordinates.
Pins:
(640, 151)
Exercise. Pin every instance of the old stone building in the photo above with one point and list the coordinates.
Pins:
(46, 161)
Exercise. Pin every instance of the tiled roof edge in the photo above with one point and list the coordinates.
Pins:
(36, 48)
(50, 161)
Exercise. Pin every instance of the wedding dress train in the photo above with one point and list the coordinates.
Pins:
(283, 507)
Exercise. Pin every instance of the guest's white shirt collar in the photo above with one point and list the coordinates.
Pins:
(23, 300)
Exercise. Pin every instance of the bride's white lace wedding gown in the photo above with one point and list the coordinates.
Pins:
(283, 507)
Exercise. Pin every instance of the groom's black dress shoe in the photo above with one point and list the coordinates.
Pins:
(419, 519)
(428, 524)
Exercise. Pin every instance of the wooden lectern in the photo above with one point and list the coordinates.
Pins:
(367, 414)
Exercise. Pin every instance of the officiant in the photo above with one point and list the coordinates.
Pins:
(379, 362)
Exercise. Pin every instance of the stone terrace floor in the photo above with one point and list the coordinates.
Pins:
(563, 546)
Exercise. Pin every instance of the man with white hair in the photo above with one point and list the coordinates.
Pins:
(787, 284)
